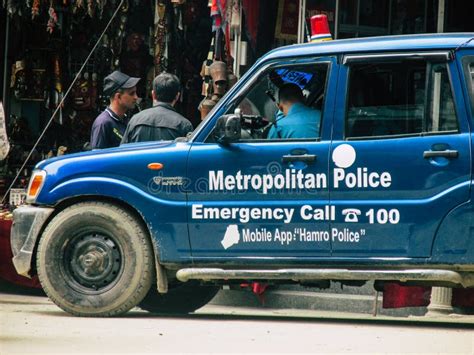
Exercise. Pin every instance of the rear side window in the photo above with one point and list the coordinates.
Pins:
(409, 97)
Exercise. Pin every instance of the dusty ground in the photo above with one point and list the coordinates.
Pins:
(33, 325)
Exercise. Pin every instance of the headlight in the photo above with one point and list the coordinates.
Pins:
(36, 183)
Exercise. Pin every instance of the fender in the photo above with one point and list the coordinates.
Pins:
(454, 240)
(166, 220)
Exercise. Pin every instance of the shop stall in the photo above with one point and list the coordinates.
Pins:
(55, 54)
(46, 49)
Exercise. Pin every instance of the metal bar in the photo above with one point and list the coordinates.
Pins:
(357, 17)
(336, 20)
(5, 69)
(441, 10)
(389, 31)
(435, 105)
(237, 40)
(301, 20)
(433, 275)
(238, 44)
(425, 17)
(376, 304)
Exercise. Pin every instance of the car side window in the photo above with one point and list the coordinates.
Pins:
(266, 117)
(410, 97)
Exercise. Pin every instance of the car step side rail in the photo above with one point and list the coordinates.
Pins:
(297, 275)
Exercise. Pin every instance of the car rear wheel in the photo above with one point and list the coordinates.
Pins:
(95, 259)
(181, 298)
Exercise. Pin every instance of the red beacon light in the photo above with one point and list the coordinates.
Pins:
(320, 29)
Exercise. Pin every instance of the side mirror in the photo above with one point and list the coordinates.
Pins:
(227, 129)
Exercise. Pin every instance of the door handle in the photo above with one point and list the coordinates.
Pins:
(450, 154)
(307, 158)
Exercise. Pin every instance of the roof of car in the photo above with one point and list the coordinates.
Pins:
(438, 41)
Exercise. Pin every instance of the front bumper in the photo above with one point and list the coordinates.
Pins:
(28, 221)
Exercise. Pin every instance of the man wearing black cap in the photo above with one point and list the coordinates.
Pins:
(108, 128)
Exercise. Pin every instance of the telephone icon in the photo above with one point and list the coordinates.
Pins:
(351, 215)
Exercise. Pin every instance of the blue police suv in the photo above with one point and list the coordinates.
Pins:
(371, 179)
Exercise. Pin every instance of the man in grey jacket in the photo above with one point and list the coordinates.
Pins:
(160, 122)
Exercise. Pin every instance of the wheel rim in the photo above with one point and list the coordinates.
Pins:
(92, 262)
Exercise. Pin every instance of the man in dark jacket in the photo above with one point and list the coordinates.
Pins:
(161, 122)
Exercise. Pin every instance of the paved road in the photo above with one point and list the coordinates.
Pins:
(32, 325)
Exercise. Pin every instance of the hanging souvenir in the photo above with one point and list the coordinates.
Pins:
(206, 106)
(150, 76)
(53, 18)
(231, 78)
(83, 94)
(103, 57)
(78, 4)
(160, 36)
(19, 82)
(205, 71)
(57, 89)
(100, 7)
(117, 37)
(90, 8)
(178, 20)
(175, 39)
(4, 143)
(235, 15)
(12, 7)
(218, 72)
(93, 90)
(135, 59)
(35, 8)
(191, 13)
(37, 86)
(221, 11)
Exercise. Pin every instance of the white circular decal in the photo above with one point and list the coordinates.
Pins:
(344, 156)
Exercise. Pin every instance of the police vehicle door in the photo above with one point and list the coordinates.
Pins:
(400, 157)
(263, 196)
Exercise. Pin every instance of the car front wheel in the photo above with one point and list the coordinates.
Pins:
(95, 259)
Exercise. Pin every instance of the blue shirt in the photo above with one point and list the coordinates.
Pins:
(107, 130)
(300, 122)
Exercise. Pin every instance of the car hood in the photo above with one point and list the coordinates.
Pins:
(109, 152)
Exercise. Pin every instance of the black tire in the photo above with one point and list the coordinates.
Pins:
(181, 298)
(95, 260)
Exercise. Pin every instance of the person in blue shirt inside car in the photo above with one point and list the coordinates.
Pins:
(294, 119)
